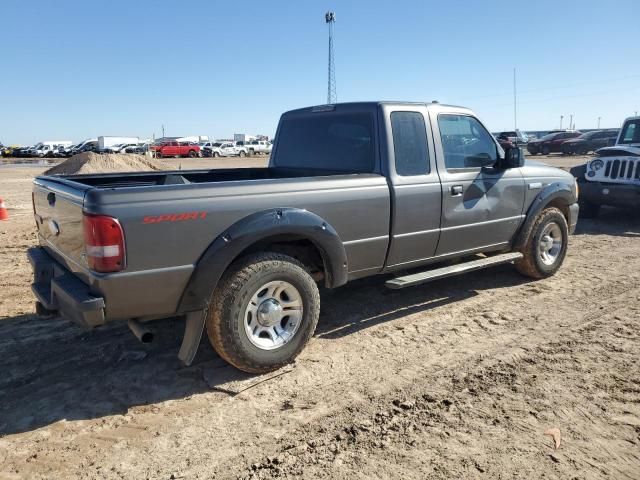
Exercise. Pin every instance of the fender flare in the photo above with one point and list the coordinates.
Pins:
(258, 226)
(552, 192)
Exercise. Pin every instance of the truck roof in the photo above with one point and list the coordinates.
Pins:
(371, 105)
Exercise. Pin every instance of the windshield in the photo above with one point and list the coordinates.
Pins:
(217, 144)
(549, 136)
(587, 136)
(630, 132)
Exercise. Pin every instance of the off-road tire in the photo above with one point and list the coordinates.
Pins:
(531, 265)
(588, 209)
(226, 316)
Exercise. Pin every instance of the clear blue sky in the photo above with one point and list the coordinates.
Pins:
(75, 69)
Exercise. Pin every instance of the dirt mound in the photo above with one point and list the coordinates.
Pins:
(89, 162)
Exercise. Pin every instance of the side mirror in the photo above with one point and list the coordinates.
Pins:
(513, 158)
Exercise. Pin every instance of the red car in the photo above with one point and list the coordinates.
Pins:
(176, 149)
(550, 143)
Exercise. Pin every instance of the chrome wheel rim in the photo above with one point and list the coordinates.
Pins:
(550, 244)
(273, 315)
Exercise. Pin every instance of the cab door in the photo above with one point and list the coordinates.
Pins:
(170, 149)
(416, 191)
(482, 206)
(227, 150)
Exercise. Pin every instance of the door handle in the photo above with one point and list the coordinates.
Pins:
(456, 190)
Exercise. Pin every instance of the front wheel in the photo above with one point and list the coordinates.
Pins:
(242, 154)
(192, 154)
(546, 245)
(263, 312)
(215, 155)
(545, 150)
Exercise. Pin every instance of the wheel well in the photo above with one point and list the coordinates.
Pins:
(560, 205)
(300, 248)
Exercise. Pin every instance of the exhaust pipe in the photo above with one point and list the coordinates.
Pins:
(141, 332)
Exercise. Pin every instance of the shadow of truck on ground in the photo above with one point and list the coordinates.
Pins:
(52, 370)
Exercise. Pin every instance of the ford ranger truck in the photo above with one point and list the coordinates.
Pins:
(612, 177)
(412, 191)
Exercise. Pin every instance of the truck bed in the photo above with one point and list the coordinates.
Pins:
(184, 177)
(170, 218)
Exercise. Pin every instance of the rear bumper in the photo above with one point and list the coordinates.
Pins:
(57, 289)
(616, 195)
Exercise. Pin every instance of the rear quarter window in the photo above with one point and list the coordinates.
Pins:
(410, 143)
(336, 141)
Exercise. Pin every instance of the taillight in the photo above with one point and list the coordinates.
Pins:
(104, 243)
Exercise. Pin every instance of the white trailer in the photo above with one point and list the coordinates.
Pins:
(106, 142)
(243, 137)
(193, 138)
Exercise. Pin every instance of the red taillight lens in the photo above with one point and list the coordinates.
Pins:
(104, 243)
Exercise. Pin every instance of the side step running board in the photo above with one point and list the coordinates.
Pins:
(444, 272)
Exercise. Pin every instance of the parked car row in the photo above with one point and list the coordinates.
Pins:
(572, 142)
(236, 149)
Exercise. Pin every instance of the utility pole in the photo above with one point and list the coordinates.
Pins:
(561, 117)
(162, 131)
(515, 112)
(571, 122)
(599, 122)
(332, 96)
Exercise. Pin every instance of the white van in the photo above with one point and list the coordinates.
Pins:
(49, 148)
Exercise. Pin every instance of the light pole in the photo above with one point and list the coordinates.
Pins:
(515, 112)
(599, 122)
(561, 117)
(571, 122)
(332, 96)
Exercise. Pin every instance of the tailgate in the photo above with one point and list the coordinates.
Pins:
(57, 206)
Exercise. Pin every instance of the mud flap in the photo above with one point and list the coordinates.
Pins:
(193, 328)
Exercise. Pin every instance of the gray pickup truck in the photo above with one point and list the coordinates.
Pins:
(411, 190)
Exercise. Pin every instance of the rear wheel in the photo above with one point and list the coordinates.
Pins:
(545, 150)
(263, 312)
(215, 155)
(546, 245)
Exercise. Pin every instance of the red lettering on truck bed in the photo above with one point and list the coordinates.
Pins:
(174, 217)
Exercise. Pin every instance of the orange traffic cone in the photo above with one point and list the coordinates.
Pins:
(4, 214)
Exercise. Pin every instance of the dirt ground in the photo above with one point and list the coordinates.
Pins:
(454, 379)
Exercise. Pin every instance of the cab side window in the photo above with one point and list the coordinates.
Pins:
(465, 142)
(410, 143)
